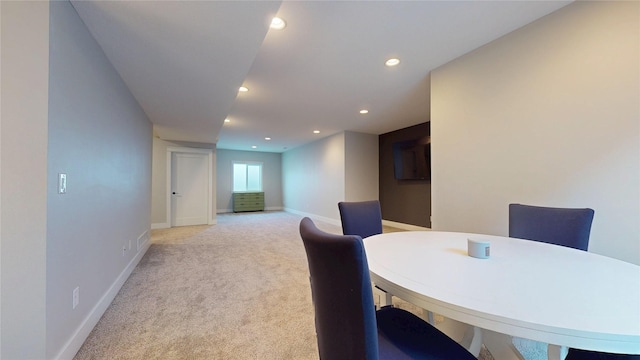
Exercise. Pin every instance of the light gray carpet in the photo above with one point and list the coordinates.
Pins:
(235, 290)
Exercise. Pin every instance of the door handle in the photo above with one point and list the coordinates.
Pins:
(175, 193)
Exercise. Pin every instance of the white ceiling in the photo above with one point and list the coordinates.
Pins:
(184, 61)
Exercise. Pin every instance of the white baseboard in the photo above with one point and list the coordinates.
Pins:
(315, 217)
(78, 338)
(269, 208)
(339, 223)
(160, 226)
(404, 226)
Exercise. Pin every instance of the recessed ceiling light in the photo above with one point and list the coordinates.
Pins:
(267, 138)
(364, 111)
(254, 147)
(227, 120)
(316, 131)
(392, 62)
(243, 89)
(277, 23)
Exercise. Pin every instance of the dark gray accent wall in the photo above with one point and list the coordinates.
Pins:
(403, 201)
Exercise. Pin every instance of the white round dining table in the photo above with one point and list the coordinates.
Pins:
(529, 289)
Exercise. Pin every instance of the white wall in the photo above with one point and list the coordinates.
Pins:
(101, 138)
(159, 190)
(318, 175)
(361, 166)
(271, 177)
(313, 178)
(0, 203)
(25, 76)
(547, 115)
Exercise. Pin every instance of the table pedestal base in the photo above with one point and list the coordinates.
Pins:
(472, 340)
(555, 352)
(501, 346)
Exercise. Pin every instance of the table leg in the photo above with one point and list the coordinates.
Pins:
(556, 352)
(383, 296)
(387, 298)
(472, 340)
(500, 346)
(427, 316)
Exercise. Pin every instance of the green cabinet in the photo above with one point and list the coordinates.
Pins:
(248, 201)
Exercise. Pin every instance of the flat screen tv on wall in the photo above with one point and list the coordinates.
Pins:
(412, 159)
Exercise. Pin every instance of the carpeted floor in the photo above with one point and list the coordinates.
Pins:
(235, 290)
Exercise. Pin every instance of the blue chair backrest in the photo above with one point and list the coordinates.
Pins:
(341, 291)
(362, 218)
(560, 226)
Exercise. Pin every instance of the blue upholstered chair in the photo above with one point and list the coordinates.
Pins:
(576, 354)
(362, 218)
(347, 325)
(560, 226)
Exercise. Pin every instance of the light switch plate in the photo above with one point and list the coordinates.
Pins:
(62, 183)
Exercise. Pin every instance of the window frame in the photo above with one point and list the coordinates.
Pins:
(247, 163)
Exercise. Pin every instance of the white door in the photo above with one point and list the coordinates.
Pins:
(189, 188)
